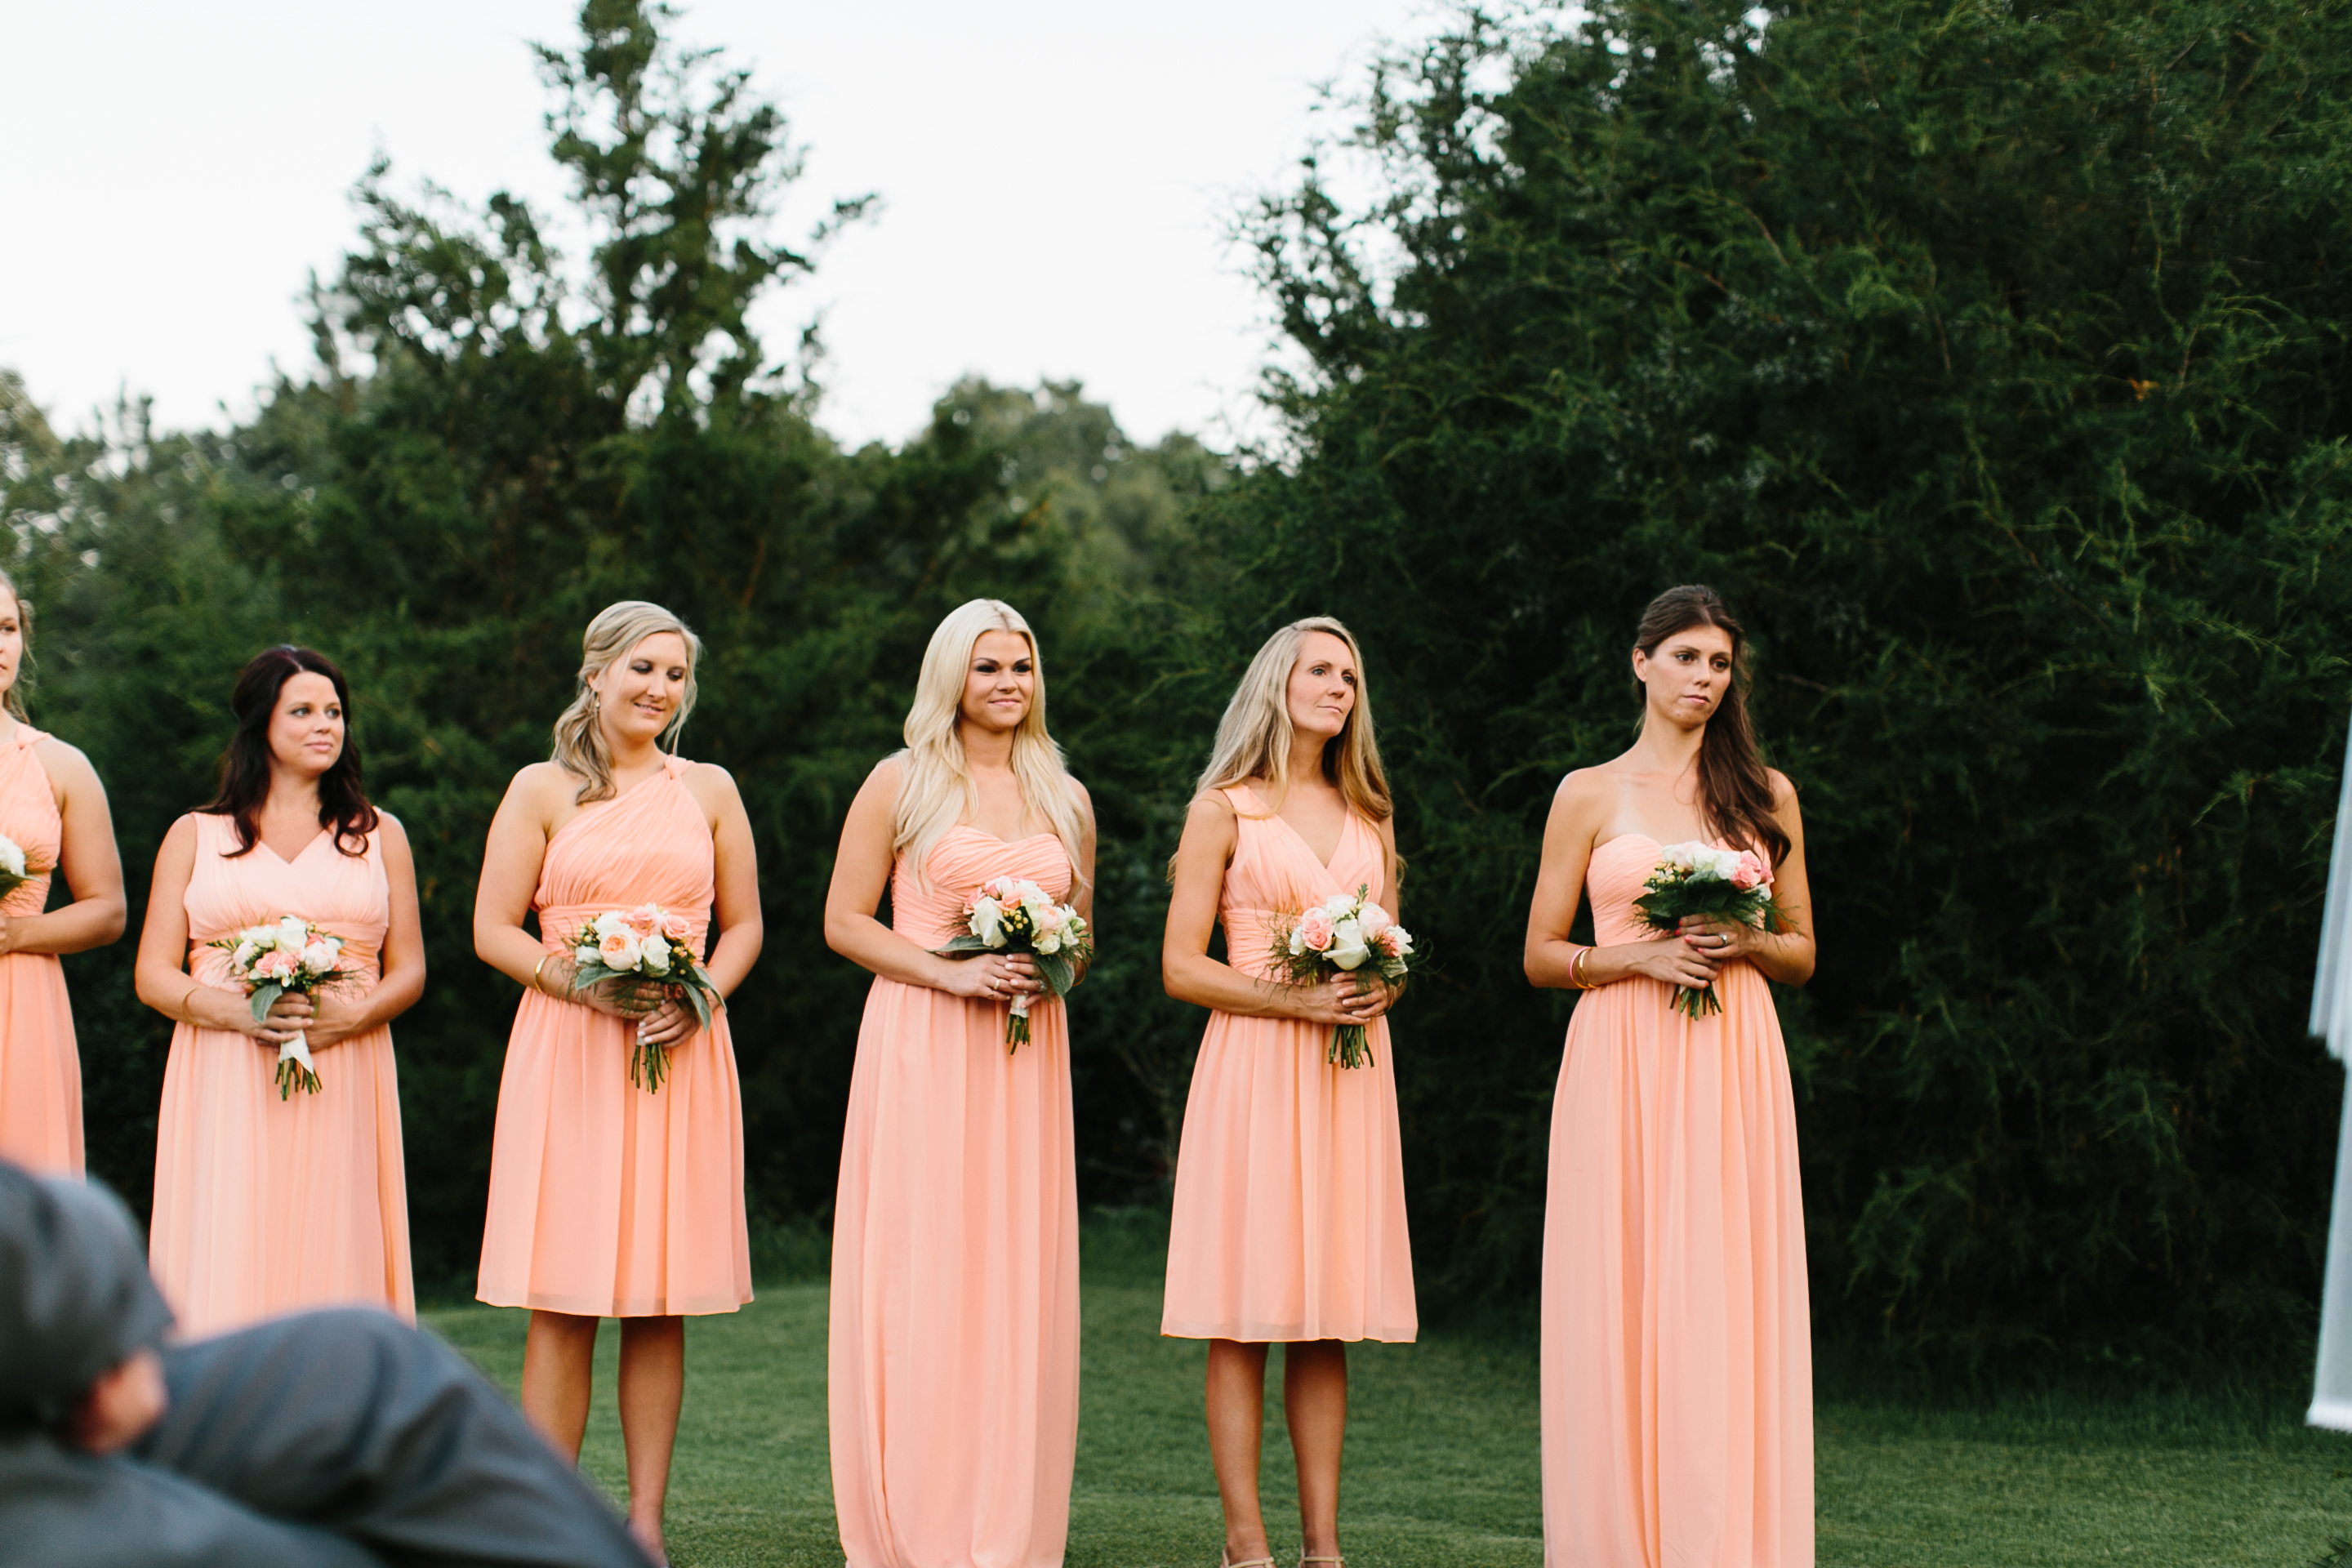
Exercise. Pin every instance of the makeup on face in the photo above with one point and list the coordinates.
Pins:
(1002, 681)
(1322, 684)
(306, 728)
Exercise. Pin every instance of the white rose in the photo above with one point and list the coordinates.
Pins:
(608, 922)
(656, 956)
(1682, 857)
(1339, 906)
(1375, 919)
(988, 921)
(1051, 942)
(1297, 942)
(12, 856)
(319, 958)
(246, 951)
(292, 935)
(1348, 947)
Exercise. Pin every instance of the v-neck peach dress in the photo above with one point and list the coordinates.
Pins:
(607, 1199)
(1678, 1389)
(954, 1357)
(1289, 1219)
(266, 1206)
(40, 1068)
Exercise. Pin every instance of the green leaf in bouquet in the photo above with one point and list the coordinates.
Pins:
(265, 998)
(966, 947)
(1056, 970)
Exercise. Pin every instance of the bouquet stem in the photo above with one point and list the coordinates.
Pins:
(1016, 1024)
(649, 1065)
(1697, 1002)
(1348, 1047)
(294, 1067)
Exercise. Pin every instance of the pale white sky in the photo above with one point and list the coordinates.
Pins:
(1057, 178)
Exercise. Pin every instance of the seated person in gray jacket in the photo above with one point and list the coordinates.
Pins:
(340, 1439)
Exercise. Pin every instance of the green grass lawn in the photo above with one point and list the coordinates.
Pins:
(1442, 1456)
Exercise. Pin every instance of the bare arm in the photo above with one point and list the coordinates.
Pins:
(88, 863)
(160, 975)
(1788, 955)
(1189, 974)
(1579, 811)
(512, 859)
(861, 873)
(742, 932)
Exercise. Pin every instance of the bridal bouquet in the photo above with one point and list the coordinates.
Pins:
(289, 955)
(1009, 915)
(14, 872)
(648, 943)
(1698, 879)
(1347, 933)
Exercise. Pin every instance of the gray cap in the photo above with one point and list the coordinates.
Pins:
(74, 1299)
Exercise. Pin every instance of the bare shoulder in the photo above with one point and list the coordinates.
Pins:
(181, 836)
(1078, 793)
(1211, 807)
(1784, 792)
(65, 763)
(710, 783)
(390, 832)
(1586, 787)
(539, 784)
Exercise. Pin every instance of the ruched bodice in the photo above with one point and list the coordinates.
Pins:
(652, 844)
(1613, 880)
(28, 814)
(345, 896)
(964, 858)
(1273, 874)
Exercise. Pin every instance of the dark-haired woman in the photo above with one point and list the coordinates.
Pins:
(265, 1202)
(1677, 1366)
(54, 809)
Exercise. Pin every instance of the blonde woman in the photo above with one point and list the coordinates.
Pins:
(54, 807)
(609, 1199)
(1289, 1219)
(954, 1381)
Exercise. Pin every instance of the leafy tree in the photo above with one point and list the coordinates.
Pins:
(1992, 360)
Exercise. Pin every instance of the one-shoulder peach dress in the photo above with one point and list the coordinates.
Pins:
(1289, 1219)
(1678, 1360)
(40, 1068)
(266, 1206)
(954, 1362)
(609, 1200)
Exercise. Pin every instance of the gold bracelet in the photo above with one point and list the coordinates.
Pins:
(1576, 970)
(186, 1016)
(535, 968)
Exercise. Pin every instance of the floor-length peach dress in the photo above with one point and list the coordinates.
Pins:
(608, 1199)
(1289, 1219)
(954, 1362)
(40, 1068)
(265, 1205)
(1678, 1361)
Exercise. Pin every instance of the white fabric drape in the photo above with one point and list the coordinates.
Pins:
(2331, 1020)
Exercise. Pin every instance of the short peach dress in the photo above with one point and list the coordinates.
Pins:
(608, 1200)
(266, 1206)
(1289, 1219)
(954, 1366)
(1677, 1388)
(40, 1068)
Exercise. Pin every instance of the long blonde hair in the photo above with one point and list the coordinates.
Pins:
(580, 746)
(15, 700)
(1254, 737)
(935, 787)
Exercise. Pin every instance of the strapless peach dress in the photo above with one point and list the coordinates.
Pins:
(1289, 1219)
(1677, 1385)
(40, 1069)
(954, 1371)
(266, 1206)
(608, 1200)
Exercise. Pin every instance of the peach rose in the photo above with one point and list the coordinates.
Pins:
(1751, 872)
(1316, 928)
(619, 950)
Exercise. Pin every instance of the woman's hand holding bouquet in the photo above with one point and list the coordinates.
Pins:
(644, 956)
(1008, 915)
(1697, 886)
(290, 957)
(1345, 936)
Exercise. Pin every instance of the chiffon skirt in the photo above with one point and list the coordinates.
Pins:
(607, 1201)
(40, 1070)
(266, 1206)
(954, 1374)
(1677, 1358)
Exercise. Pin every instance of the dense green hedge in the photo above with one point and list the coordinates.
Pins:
(1989, 359)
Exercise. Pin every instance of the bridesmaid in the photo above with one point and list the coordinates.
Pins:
(954, 1374)
(263, 1204)
(53, 807)
(608, 1200)
(1678, 1363)
(1289, 1220)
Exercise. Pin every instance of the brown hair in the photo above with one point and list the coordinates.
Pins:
(1735, 790)
(245, 767)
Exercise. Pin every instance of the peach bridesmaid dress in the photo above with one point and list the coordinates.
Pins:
(954, 1370)
(608, 1200)
(1289, 1219)
(40, 1070)
(266, 1206)
(1677, 1356)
